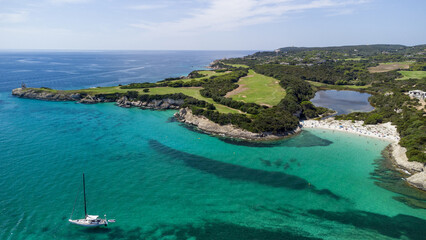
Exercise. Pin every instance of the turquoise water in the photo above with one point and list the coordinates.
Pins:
(343, 102)
(160, 180)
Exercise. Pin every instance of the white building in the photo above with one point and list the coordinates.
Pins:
(417, 94)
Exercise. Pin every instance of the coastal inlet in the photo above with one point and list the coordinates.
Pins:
(180, 183)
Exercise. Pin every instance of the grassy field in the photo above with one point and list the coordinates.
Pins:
(208, 74)
(239, 65)
(353, 59)
(259, 89)
(192, 92)
(386, 67)
(337, 87)
(195, 93)
(412, 74)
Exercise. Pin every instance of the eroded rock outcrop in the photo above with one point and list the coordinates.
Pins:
(55, 95)
(89, 100)
(418, 180)
(418, 170)
(400, 158)
(43, 95)
(160, 104)
(185, 115)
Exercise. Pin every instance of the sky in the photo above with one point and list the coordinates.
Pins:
(208, 24)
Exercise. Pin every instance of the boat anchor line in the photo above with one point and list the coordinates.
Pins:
(89, 220)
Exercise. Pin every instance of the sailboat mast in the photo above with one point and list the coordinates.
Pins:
(84, 190)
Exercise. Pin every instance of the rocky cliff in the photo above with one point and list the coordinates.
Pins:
(160, 104)
(44, 95)
(185, 115)
(418, 170)
(48, 95)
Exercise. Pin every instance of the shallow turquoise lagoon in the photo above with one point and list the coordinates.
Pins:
(162, 180)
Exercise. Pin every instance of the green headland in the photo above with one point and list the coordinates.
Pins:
(270, 92)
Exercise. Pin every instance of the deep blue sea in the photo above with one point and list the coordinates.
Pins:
(68, 70)
(162, 180)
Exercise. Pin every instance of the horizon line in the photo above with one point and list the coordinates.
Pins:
(103, 50)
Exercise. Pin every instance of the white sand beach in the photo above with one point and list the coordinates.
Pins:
(385, 131)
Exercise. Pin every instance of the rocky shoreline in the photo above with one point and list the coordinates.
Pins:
(45, 95)
(158, 104)
(384, 131)
(185, 115)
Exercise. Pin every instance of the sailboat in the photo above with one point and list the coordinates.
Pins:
(89, 220)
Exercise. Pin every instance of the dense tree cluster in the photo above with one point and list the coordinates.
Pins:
(196, 74)
(134, 96)
(188, 101)
(418, 66)
(170, 79)
(309, 110)
(367, 55)
(240, 120)
(139, 85)
(275, 120)
(271, 120)
(251, 108)
(364, 51)
(330, 72)
(220, 85)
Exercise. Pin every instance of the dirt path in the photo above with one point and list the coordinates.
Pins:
(236, 91)
(240, 89)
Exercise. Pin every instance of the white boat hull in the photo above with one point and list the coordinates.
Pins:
(89, 223)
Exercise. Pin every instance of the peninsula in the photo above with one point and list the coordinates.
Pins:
(264, 96)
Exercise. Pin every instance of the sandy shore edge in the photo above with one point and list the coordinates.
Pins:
(384, 131)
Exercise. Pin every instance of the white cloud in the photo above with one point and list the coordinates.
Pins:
(338, 12)
(16, 17)
(228, 15)
(146, 7)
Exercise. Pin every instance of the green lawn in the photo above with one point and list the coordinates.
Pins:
(210, 73)
(238, 65)
(412, 74)
(104, 90)
(259, 89)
